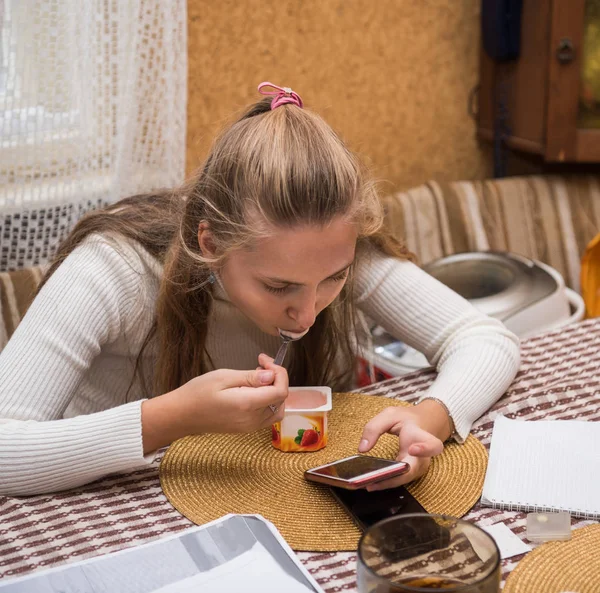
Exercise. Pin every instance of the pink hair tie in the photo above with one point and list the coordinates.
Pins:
(281, 95)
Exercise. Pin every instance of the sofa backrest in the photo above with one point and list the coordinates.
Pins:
(549, 218)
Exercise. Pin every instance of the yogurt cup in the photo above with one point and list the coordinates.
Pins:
(304, 425)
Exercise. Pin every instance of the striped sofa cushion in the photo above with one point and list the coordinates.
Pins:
(550, 218)
(16, 293)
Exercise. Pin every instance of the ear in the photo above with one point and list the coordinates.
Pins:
(205, 240)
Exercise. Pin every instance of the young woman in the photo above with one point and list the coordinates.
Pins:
(152, 321)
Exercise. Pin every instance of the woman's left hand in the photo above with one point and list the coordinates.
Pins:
(416, 445)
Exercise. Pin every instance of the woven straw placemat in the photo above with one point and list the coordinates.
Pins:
(207, 476)
(555, 567)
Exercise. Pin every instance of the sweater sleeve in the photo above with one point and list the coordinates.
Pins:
(475, 355)
(86, 303)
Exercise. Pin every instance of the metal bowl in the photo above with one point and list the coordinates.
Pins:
(496, 283)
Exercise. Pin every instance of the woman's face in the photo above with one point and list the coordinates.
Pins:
(286, 279)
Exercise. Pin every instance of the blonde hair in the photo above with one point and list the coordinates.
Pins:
(282, 167)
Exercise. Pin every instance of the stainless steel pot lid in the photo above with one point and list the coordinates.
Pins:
(497, 283)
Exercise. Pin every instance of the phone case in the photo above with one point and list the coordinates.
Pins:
(361, 481)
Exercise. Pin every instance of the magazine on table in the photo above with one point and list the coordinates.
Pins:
(234, 553)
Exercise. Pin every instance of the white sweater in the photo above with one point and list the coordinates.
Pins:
(64, 418)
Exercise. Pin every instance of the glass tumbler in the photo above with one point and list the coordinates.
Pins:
(419, 552)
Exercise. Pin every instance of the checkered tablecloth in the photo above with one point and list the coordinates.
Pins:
(559, 379)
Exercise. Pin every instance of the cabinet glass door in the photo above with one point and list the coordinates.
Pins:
(589, 92)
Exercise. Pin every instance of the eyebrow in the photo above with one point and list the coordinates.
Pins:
(289, 282)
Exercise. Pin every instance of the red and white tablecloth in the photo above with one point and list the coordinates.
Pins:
(559, 379)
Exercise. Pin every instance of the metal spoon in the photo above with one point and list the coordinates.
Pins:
(286, 338)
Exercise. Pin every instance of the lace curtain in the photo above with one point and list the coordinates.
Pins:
(92, 109)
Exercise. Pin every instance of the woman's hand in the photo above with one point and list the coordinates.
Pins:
(417, 445)
(226, 401)
(221, 401)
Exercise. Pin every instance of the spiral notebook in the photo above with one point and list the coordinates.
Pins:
(544, 465)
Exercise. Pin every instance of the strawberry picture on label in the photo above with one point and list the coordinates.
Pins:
(306, 438)
(310, 437)
(275, 434)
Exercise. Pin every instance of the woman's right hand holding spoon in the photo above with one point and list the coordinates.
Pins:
(221, 401)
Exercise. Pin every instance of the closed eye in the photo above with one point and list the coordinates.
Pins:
(339, 277)
(283, 289)
(276, 290)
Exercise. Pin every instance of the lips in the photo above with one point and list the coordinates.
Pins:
(295, 335)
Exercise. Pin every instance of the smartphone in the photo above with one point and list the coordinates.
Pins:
(356, 472)
(367, 508)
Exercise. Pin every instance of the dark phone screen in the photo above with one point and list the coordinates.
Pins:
(352, 468)
(367, 508)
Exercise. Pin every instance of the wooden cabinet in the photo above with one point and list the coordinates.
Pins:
(548, 101)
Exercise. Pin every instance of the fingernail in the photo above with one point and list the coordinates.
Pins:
(364, 444)
(417, 448)
(265, 376)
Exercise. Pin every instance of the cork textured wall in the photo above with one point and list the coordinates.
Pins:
(393, 77)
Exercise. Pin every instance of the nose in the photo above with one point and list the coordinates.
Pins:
(304, 312)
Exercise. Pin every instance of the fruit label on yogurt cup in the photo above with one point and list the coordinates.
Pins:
(300, 432)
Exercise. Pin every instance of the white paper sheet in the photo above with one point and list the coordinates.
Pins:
(508, 543)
